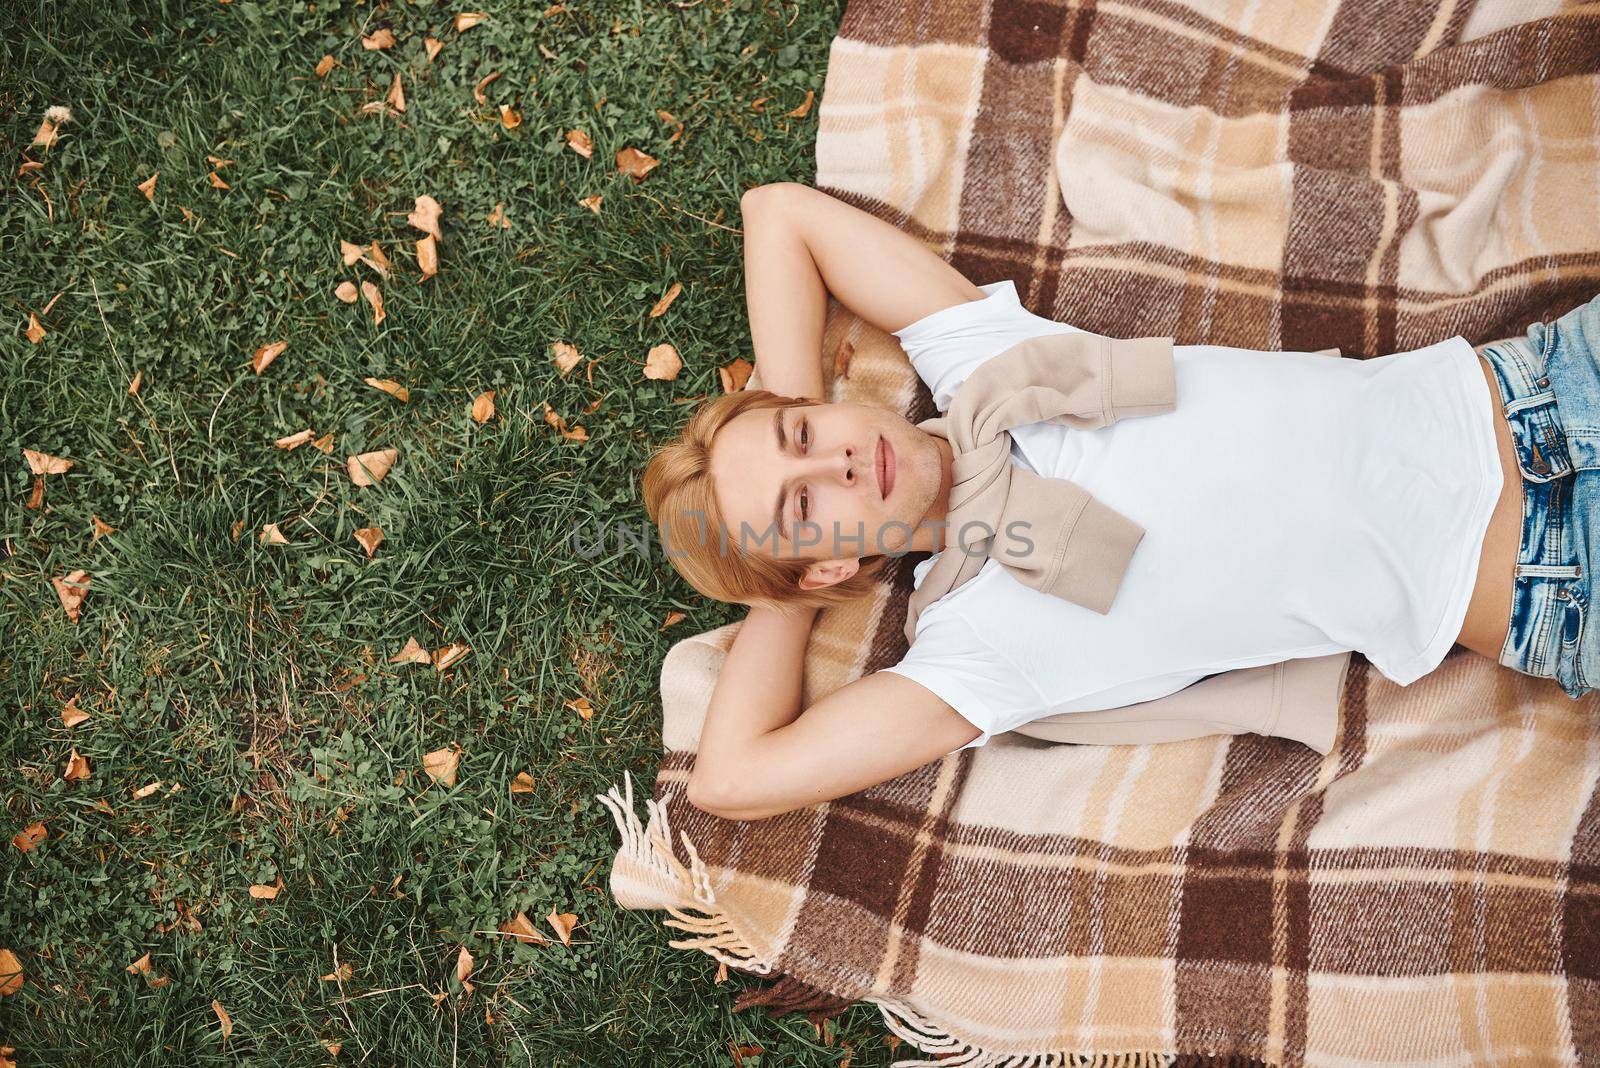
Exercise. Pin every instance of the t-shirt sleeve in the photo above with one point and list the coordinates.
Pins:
(949, 344)
(985, 688)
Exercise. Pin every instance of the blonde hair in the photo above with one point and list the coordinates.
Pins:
(681, 502)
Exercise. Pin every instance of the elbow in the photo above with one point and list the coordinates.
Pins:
(710, 795)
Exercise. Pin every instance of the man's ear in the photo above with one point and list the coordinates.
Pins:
(828, 572)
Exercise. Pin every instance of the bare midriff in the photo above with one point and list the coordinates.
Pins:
(1489, 611)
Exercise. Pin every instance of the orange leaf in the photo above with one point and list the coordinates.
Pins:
(673, 617)
(510, 117)
(413, 653)
(483, 407)
(800, 112)
(295, 440)
(735, 375)
(445, 657)
(579, 142)
(29, 836)
(464, 22)
(566, 356)
(222, 1018)
(661, 306)
(370, 538)
(148, 186)
(325, 64)
(497, 217)
(433, 46)
(271, 535)
(343, 973)
(217, 182)
(347, 292)
(632, 162)
(523, 783)
(425, 216)
(266, 354)
(441, 766)
(42, 463)
(378, 261)
(374, 298)
(265, 891)
(582, 707)
(350, 251)
(146, 790)
(389, 386)
(397, 94)
(101, 528)
(662, 363)
(383, 38)
(522, 929)
(77, 768)
(592, 203)
(72, 590)
(428, 256)
(10, 973)
(72, 715)
(562, 923)
(478, 93)
(133, 387)
(369, 468)
(35, 333)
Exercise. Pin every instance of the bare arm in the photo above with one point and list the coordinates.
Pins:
(800, 244)
(757, 691)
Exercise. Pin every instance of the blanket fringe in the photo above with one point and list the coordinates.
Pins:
(649, 845)
(930, 1038)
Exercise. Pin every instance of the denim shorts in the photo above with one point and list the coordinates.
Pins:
(1549, 383)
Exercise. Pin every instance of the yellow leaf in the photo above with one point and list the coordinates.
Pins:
(265, 891)
(441, 765)
(271, 535)
(389, 386)
(369, 468)
(661, 306)
(148, 186)
(466, 20)
(523, 783)
(497, 217)
(425, 216)
(662, 363)
(42, 463)
(266, 354)
(579, 142)
(29, 836)
(382, 38)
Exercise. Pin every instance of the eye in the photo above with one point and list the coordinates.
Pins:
(805, 501)
(805, 435)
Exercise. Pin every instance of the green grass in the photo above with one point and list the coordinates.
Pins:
(257, 675)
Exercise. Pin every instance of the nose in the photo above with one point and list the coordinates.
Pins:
(839, 465)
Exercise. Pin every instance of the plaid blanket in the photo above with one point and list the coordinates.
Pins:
(1371, 174)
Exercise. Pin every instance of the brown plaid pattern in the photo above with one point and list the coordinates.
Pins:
(1371, 174)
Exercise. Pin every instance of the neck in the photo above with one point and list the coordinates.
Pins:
(929, 535)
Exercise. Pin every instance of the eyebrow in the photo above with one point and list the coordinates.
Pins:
(777, 511)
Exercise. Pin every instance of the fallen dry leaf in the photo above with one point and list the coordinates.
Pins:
(667, 116)
(382, 38)
(428, 256)
(565, 356)
(510, 117)
(673, 617)
(266, 354)
(842, 357)
(523, 783)
(522, 929)
(562, 923)
(36, 497)
(333, 1048)
(635, 164)
(497, 217)
(389, 386)
(72, 590)
(425, 216)
(660, 307)
(347, 292)
(271, 535)
(101, 529)
(432, 45)
(10, 973)
(592, 203)
(466, 20)
(376, 259)
(77, 768)
(342, 974)
(578, 141)
(370, 538)
(483, 407)
(133, 387)
(219, 163)
(450, 654)
(397, 94)
(478, 93)
(735, 375)
(30, 836)
(369, 468)
(325, 442)
(413, 653)
(374, 298)
(582, 707)
(325, 64)
(576, 433)
(148, 186)
(805, 106)
(46, 135)
(146, 790)
(266, 891)
(295, 440)
(42, 463)
(441, 765)
(217, 182)
(35, 333)
(222, 1018)
(464, 969)
(72, 715)
(350, 252)
(663, 363)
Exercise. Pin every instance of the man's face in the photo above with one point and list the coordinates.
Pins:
(820, 471)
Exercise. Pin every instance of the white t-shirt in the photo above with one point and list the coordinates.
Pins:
(1294, 504)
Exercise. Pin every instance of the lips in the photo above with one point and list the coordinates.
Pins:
(885, 468)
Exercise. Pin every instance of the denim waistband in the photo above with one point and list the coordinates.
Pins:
(1530, 409)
